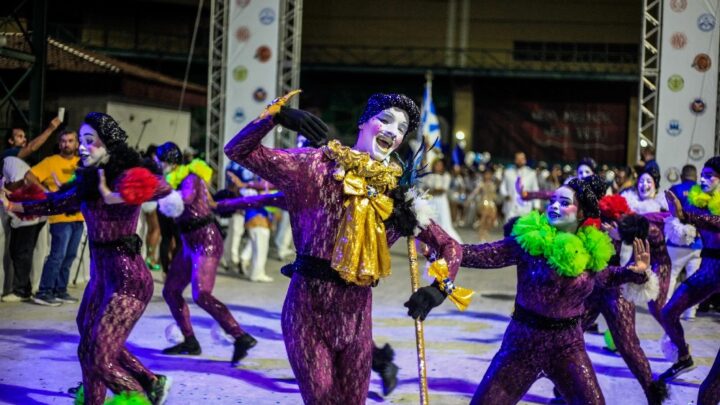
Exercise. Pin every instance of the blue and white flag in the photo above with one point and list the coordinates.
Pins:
(429, 124)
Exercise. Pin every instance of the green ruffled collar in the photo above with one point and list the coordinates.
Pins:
(568, 254)
(196, 166)
(701, 199)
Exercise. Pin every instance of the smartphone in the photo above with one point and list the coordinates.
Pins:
(61, 114)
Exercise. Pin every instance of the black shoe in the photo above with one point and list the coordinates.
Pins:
(67, 298)
(657, 392)
(242, 345)
(159, 390)
(189, 346)
(682, 366)
(382, 363)
(46, 300)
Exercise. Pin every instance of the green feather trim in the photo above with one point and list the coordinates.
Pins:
(80, 396)
(197, 167)
(599, 245)
(568, 254)
(128, 398)
(533, 233)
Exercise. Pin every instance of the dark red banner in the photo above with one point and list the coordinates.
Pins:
(552, 131)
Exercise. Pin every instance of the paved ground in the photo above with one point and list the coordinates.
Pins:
(38, 361)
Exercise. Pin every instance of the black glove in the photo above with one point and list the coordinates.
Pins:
(423, 300)
(310, 126)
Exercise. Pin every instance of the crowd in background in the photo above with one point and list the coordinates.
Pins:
(40, 262)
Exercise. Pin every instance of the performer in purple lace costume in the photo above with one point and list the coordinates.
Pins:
(197, 262)
(326, 321)
(121, 285)
(545, 337)
(702, 284)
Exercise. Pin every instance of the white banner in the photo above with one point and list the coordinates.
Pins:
(252, 48)
(688, 86)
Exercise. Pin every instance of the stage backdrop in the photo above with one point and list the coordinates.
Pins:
(251, 77)
(688, 85)
(553, 131)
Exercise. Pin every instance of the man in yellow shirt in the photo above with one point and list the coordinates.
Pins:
(65, 229)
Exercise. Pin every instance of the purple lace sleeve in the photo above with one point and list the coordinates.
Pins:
(614, 276)
(256, 201)
(503, 253)
(702, 220)
(446, 247)
(537, 195)
(280, 167)
(188, 188)
(54, 203)
(162, 190)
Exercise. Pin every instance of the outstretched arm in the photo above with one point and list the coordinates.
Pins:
(35, 144)
(60, 202)
(494, 255)
(256, 201)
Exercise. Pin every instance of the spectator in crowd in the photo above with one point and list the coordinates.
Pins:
(484, 195)
(65, 229)
(24, 230)
(18, 144)
(437, 183)
(514, 205)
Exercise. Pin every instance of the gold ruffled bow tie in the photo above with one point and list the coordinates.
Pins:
(459, 296)
(361, 254)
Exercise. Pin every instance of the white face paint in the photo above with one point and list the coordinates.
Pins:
(562, 211)
(383, 133)
(709, 180)
(92, 149)
(646, 187)
(584, 171)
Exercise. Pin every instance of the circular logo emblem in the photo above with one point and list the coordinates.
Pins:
(678, 40)
(673, 128)
(267, 16)
(263, 54)
(242, 34)
(242, 3)
(240, 73)
(696, 152)
(672, 174)
(678, 6)
(676, 83)
(706, 22)
(259, 95)
(697, 106)
(702, 62)
(239, 115)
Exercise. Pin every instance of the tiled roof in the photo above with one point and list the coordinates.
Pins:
(72, 58)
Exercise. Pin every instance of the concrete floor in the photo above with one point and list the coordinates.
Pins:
(38, 362)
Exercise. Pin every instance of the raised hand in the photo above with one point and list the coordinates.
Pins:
(304, 123)
(674, 205)
(611, 229)
(641, 250)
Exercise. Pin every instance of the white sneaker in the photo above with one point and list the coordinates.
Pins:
(262, 279)
(12, 297)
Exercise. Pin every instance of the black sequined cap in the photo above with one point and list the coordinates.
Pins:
(107, 128)
(713, 163)
(587, 193)
(169, 152)
(379, 102)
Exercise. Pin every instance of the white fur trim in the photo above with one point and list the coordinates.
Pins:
(642, 293)
(678, 233)
(422, 208)
(173, 334)
(171, 205)
(670, 351)
(645, 206)
(626, 253)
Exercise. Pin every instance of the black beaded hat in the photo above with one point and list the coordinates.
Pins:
(107, 129)
(379, 102)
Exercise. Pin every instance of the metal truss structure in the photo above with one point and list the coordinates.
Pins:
(649, 71)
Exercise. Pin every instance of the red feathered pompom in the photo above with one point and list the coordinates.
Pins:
(30, 192)
(594, 222)
(137, 185)
(614, 206)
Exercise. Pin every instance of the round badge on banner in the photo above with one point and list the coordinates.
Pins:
(239, 115)
(678, 6)
(702, 62)
(267, 16)
(696, 152)
(706, 22)
(676, 83)
(240, 73)
(673, 128)
(697, 106)
(672, 175)
(678, 40)
(260, 95)
(242, 34)
(263, 54)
